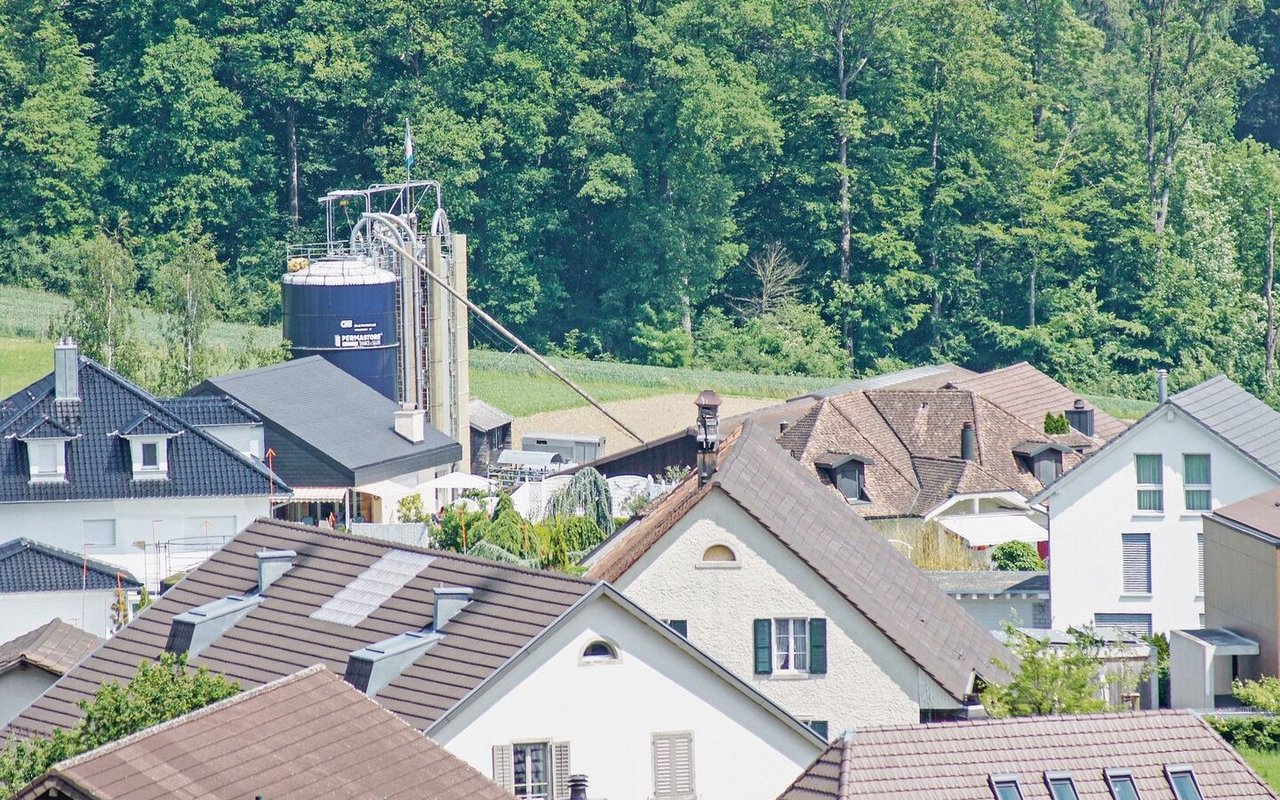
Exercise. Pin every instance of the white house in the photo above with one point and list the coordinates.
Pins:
(93, 464)
(526, 675)
(1126, 539)
(777, 578)
(39, 583)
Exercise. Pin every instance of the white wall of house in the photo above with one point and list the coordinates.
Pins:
(993, 613)
(869, 680)
(183, 527)
(26, 611)
(19, 687)
(608, 712)
(1089, 514)
(247, 439)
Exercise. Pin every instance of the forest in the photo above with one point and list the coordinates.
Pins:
(826, 187)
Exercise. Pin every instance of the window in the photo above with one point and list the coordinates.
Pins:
(1137, 562)
(150, 455)
(819, 726)
(1150, 482)
(534, 770)
(851, 479)
(1061, 787)
(790, 646)
(100, 532)
(1196, 481)
(1120, 624)
(599, 650)
(531, 773)
(673, 766)
(1183, 781)
(680, 626)
(1200, 565)
(1122, 785)
(1005, 787)
(719, 553)
(48, 458)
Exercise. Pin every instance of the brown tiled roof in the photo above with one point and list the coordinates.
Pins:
(279, 636)
(913, 438)
(1029, 394)
(310, 735)
(55, 646)
(821, 529)
(952, 760)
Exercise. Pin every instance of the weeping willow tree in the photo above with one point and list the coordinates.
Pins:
(585, 495)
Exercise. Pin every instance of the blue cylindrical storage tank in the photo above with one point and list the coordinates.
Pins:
(344, 309)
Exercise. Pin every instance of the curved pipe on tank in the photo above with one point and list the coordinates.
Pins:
(397, 232)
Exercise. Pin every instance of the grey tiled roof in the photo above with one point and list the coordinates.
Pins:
(857, 561)
(309, 735)
(54, 646)
(210, 411)
(992, 581)
(98, 464)
(1241, 419)
(27, 566)
(953, 760)
(485, 417)
(146, 424)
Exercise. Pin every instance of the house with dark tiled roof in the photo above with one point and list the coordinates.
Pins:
(526, 675)
(1153, 755)
(31, 662)
(93, 464)
(904, 457)
(39, 583)
(776, 577)
(308, 735)
(1125, 525)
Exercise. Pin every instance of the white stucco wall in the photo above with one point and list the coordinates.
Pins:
(19, 687)
(608, 712)
(869, 680)
(247, 439)
(992, 614)
(1088, 514)
(62, 524)
(21, 612)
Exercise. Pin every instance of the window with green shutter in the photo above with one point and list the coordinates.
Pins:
(1150, 468)
(763, 646)
(817, 646)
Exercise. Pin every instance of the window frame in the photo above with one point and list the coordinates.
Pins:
(1170, 770)
(1188, 487)
(1114, 776)
(610, 657)
(793, 623)
(39, 450)
(1061, 778)
(1008, 781)
(1149, 488)
(547, 781)
(155, 455)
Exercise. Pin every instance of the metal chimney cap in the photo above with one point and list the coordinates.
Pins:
(707, 398)
(1079, 403)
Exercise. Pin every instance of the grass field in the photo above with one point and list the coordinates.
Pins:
(1266, 763)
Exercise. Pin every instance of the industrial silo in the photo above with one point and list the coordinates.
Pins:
(344, 309)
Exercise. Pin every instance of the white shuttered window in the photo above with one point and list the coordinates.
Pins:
(1137, 563)
(673, 766)
(533, 770)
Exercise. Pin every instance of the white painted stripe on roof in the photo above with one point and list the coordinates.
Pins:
(373, 587)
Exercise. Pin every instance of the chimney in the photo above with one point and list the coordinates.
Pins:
(782, 426)
(1162, 385)
(449, 601)
(708, 426)
(371, 668)
(192, 631)
(577, 787)
(66, 370)
(968, 442)
(1080, 418)
(411, 423)
(271, 565)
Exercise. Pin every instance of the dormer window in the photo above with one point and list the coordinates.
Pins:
(46, 443)
(848, 473)
(1043, 458)
(148, 439)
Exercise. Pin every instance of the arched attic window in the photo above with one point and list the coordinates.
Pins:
(599, 651)
(719, 553)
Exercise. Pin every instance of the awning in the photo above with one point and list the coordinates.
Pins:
(313, 494)
(389, 491)
(986, 530)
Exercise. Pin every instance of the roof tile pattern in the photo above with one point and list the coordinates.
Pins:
(55, 646)
(98, 460)
(928, 376)
(280, 636)
(29, 566)
(1029, 394)
(952, 761)
(819, 527)
(1237, 416)
(308, 736)
(210, 411)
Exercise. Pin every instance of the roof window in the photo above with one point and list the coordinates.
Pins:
(1005, 787)
(1183, 781)
(1121, 784)
(1061, 787)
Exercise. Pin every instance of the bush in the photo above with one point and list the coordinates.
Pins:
(1016, 557)
(1256, 732)
(1056, 423)
(791, 340)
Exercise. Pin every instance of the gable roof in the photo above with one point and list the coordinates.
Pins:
(913, 439)
(98, 460)
(1029, 394)
(30, 566)
(953, 760)
(308, 735)
(55, 647)
(484, 417)
(1220, 406)
(1259, 515)
(210, 411)
(840, 547)
(334, 415)
(927, 376)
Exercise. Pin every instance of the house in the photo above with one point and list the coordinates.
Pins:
(309, 734)
(39, 583)
(907, 458)
(31, 662)
(490, 434)
(996, 597)
(1029, 394)
(1125, 526)
(346, 450)
(1154, 755)
(525, 675)
(224, 419)
(93, 464)
(778, 579)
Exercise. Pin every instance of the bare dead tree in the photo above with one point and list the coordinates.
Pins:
(778, 276)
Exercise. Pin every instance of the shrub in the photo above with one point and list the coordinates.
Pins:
(1016, 557)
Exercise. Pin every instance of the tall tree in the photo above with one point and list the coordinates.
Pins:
(190, 286)
(103, 298)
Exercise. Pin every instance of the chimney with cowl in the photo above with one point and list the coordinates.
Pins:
(968, 442)
(1080, 418)
(708, 403)
(577, 787)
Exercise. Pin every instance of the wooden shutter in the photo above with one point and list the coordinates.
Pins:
(673, 766)
(817, 646)
(1137, 562)
(560, 770)
(503, 773)
(764, 646)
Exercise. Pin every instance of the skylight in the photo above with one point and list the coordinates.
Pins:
(1183, 781)
(373, 587)
(1122, 785)
(1005, 787)
(1061, 787)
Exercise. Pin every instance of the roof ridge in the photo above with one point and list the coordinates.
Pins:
(996, 721)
